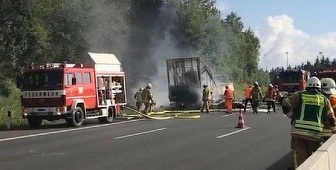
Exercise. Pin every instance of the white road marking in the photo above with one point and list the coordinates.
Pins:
(141, 133)
(63, 131)
(227, 115)
(228, 134)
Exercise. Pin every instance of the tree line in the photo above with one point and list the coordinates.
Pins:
(61, 30)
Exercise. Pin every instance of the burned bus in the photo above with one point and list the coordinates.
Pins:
(186, 76)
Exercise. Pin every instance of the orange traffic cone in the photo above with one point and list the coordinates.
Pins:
(241, 123)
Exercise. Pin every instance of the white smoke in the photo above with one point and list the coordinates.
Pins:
(278, 36)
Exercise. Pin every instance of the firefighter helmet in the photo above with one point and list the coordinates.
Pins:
(328, 86)
(205, 85)
(313, 82)
(140, 89)
(256, 83)
(270, 85)
(149, 85)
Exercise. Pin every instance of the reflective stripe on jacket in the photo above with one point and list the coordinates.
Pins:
(308, 120)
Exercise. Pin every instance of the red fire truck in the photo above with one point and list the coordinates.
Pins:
(290, 81)
(326, 73)
(74, 92)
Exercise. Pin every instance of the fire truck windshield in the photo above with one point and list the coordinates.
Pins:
(44, 80)
(290, 77)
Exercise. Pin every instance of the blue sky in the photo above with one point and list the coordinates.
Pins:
(301, 27)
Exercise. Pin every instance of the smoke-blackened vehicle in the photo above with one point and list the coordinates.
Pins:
(73, 92)
(185, 79)
(290, 81)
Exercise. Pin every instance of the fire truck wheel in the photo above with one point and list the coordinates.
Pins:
(78, 117)
(34, 122)
(109, 118)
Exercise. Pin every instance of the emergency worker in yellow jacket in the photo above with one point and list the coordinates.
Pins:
(309, 110)
(206, 98)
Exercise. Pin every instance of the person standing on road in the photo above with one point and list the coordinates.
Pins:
(328, 89)
(138, 99)
(270, 98)
(229, 97)
(309, 110)
(206, 98)
(248, 96)
(147, 98)
(256, 97)
(276, 95)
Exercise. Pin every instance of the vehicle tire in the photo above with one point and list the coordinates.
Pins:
(78, 117)
(109, 118)
(34, 122)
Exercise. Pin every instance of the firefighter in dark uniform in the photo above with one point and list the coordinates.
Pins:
(138, 99)
(309, 111)
(256, 97)
(147, 98)
(206, 98)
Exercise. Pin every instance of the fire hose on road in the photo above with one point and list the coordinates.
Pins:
(163, 115)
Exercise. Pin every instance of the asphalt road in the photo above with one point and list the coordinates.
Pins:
(210, 142)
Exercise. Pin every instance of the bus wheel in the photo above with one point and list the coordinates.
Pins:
(78, 117)
(34, 122)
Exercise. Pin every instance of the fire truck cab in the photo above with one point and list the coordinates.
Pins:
(73, 92)
(291, 80)
(326, 73)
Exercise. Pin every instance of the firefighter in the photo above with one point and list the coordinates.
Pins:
(309, 110)
(270, 98)
(276, 94)
(138, 99)
(256, 97)
(147, 98)
(248, 96)
(206, 98)
(229, 97)
(328, 89)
